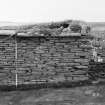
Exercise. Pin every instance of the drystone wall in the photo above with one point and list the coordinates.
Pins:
(52, 55)
(53, 59)
(44, 59)
(7, 60)
(97, 62)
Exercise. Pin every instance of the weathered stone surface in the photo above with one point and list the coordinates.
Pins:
(36, 59)
(56, 58)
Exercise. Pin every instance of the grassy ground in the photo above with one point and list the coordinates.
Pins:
(84, 95)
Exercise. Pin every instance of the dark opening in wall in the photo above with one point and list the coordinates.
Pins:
(1, 68)
(76, 28)
(2, 49)
(82, 56)
(58, 25)
(65, 25)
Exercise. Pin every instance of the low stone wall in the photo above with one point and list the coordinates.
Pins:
(7, 60)
(97, 65)
(44, 59)
(53, 59)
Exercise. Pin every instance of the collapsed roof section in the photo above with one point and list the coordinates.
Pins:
(64, 28)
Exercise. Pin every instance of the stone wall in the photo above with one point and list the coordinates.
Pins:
(48, 59)
(7, 60)
(56, 52)
(97, 63)
(53, 59)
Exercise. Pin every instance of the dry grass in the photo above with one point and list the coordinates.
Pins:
(86, 95)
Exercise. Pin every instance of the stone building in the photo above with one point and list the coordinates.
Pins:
(44, 55)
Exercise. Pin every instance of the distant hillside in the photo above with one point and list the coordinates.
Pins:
(97, 26)
(97, 29)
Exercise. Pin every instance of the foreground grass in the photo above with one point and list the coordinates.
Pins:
(77, 95)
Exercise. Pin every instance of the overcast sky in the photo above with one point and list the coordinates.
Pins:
(51, 10)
